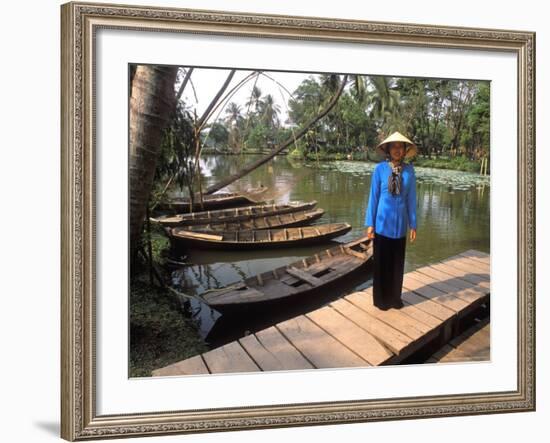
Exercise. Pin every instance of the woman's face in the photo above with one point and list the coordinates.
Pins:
(396, 150)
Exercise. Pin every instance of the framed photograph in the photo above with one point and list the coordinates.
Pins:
(275, 221)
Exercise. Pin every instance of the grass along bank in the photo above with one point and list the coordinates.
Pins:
(161, 331)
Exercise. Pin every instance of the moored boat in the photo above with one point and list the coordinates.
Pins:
(220, 200)
(294, 281)
(233, 214)
(256, 238)
(291, 219)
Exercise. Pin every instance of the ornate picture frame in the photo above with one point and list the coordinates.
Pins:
(80, 22)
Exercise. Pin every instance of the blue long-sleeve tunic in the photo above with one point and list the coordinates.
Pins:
(391, 214)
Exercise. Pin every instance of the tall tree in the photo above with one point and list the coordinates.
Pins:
(151, 102)
(250, 167)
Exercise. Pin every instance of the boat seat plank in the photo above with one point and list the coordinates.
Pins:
(303, 275)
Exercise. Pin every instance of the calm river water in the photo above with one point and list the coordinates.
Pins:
(452, 212)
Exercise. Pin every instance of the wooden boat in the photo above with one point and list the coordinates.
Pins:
(220, 200)
(299, 218)
(256, 238)
(232, 215)
(296, 280)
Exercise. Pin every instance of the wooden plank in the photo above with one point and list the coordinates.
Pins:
(464, 275)
(477, 255)
(473, 261)
(393, 339)
(462, 263)
(320, 348)
(267, 361)
(468, 295)
(418, 314)
(229, 358)
(472, 345)
(351, 335)
(189, 366)
(430, 307)
(276, 344)
(445, 278)
(200, 235)
(302, 275)
(481, 266)
(393, 317)
(446, 299)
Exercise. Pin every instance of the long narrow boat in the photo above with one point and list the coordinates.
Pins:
(232, 215)
(294, 281)
(220, 200)
(299, 218)
(256, 238)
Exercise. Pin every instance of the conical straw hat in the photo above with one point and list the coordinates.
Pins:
(397, 137)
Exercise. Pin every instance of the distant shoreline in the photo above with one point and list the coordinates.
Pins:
(458, 163)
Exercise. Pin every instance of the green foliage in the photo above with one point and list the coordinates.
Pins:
(459, 163)
(160, 332)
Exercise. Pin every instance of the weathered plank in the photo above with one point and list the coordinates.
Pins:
(448, 300)
(393, 339)
(430, 307)
(349, 334)
(477, 255)
(465, 265)
(465, 275)
(276, 344)
(392, 317)
(229, 358)
(266, 361)
(299, 273)
(320, 348)
(193, 365)
(469, 295)
(472, 345)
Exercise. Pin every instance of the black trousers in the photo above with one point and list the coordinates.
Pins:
(389, 265)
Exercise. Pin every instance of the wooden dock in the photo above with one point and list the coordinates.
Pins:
(351, 332)
(472, 345)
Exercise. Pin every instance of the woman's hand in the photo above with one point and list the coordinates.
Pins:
(413, 235)
(370, 232)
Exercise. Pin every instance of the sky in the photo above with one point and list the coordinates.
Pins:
(208, 81)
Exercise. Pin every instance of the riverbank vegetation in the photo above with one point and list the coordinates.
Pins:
(447, 119)
(162, 329)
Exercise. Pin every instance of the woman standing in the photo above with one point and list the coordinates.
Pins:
(391, 209)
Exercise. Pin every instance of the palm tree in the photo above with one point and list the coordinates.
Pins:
(297, 135)
(254, 100)
(234, 120)
(385, 105)
(270, 111)
(152, 101)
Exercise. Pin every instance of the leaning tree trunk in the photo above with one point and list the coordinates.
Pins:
(151, 103)
(249, 168)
